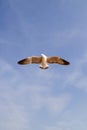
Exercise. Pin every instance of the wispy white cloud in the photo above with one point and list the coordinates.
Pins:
(14, 90)
(77, 77)
(58, 104)
(13, 115)
(53, 104)
(74, 118)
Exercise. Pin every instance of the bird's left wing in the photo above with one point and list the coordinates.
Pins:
(36, 59)
(57, 60)
(29, 60)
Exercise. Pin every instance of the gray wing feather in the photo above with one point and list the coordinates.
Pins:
(57, 60)
(29, 60)
(36, 59)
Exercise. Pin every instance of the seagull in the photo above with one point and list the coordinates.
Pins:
(43, 60)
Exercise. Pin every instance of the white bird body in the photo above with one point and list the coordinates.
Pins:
(43, 60)
(44, 64)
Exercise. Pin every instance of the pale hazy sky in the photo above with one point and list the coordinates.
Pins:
(36, 99)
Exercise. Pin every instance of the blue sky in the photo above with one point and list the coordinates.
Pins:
(35, 99)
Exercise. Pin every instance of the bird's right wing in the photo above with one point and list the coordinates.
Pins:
(57, 60)
(29, 60)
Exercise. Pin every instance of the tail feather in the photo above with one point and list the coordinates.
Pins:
(46, 67)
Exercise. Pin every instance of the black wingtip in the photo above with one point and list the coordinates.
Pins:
(21, 62)
(67, 63)
(18, 62)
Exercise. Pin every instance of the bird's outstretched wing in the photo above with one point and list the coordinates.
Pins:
(29, 60)
(57, 60)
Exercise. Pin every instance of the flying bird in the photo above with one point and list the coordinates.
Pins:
(43, 60)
